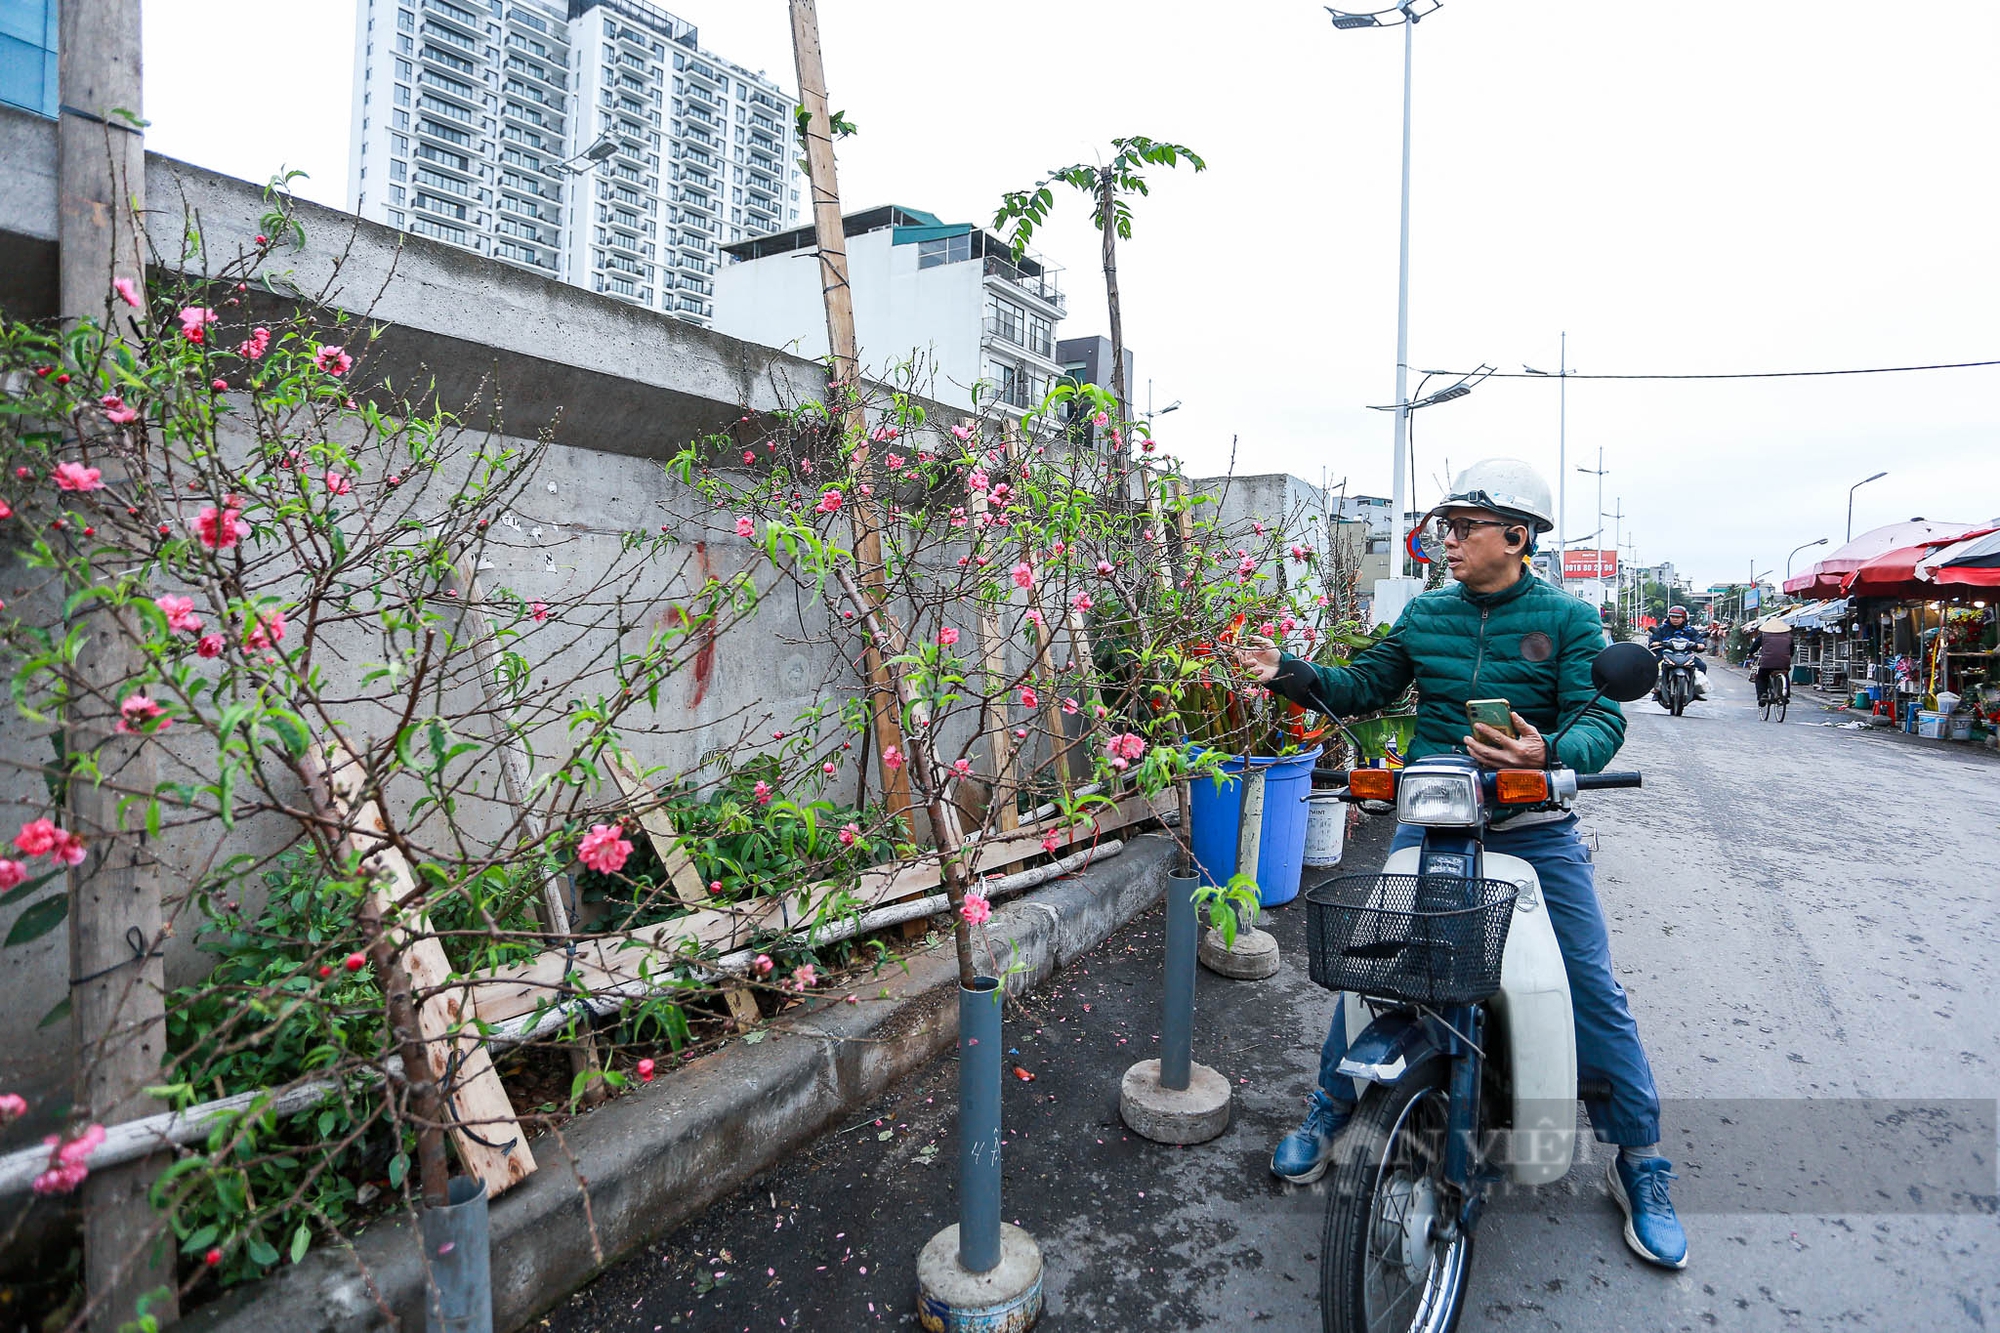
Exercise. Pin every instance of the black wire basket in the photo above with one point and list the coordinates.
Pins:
(1424, 939)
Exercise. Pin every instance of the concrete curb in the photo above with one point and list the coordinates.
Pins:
(657, 1157)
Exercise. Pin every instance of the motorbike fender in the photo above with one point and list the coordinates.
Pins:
(1391, 1046)
(1532, 1013)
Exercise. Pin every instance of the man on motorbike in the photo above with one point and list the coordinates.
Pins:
(1500, 631)
(1676, 627)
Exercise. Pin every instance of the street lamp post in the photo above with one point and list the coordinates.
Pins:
(1562, 453)
(1850, 500)
(1598, 472)
(1407, 14)
(1795, 550)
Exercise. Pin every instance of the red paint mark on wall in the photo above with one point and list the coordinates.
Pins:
(676, 617)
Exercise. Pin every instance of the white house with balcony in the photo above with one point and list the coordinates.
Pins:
(949, 297)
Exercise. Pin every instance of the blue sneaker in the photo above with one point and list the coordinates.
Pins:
(1651, 1227)
(1302, 1156)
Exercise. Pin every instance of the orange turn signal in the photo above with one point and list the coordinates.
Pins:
(1521, 786)
(1372, 784)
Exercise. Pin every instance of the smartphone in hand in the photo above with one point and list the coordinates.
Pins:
(1495, 713)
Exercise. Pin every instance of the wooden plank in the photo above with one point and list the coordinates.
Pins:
(488, 1138)
(618, 958)
(742, 1006)
(660, 830)
(515, 770)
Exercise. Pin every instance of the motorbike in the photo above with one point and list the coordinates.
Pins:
(1676, 685)
(1461, 1037)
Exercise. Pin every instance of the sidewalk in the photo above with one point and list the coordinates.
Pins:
(1134, 1235)
(1875, 726)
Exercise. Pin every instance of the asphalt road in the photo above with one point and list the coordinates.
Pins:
(1805, 917)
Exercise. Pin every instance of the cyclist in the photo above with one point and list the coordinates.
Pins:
(1676, 626)
(1774, 654)
(1498, 630)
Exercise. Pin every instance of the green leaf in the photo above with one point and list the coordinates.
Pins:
(399, 1167)
(56, 1015)
(291, 731)
(29, 886)
(38, 920)
(301, 1240)
(261, 1252)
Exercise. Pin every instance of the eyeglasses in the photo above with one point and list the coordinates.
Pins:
(1461, 528)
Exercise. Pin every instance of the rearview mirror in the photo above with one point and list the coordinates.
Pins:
(1625, 671)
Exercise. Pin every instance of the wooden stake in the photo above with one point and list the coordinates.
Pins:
(843, 390)
(484, 1131)
(117, 992)
(660, 831)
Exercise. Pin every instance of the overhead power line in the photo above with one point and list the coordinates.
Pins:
(1731, 375)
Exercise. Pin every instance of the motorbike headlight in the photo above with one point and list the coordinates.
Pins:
(1448, 799)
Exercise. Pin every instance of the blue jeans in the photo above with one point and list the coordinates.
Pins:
(1607, 1038)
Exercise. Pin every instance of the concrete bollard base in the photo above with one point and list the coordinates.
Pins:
(1005, 1299)
(1254, 957)
(1194, 1114)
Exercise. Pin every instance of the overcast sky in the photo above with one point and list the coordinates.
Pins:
(1786, 184)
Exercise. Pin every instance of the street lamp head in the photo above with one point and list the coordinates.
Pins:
(1445, 395)
(1341, 20)
(603, 148)
(1877, 477)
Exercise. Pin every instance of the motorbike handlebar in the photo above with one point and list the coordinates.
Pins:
(1603, 781)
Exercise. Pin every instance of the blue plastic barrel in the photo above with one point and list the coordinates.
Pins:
(1281, 846)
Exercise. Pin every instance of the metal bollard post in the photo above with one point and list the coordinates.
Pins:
(979, 1125)
(1177, 1025)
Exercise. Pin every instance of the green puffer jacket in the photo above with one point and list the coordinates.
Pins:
(1528, 644)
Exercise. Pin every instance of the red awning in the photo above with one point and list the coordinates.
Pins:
(1828, 577)
(1894, 573)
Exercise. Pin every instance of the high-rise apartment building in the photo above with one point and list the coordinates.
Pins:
(593, 141)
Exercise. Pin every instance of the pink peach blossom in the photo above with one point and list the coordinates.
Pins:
(12, 1106)
(136, 712)
(179, 612)
(1028, 698)
(829, 502)
(1024, 575)
(805, 976)
(1082, 601)
(209, 645)
(892, 757)
(975, 909)
(947, 636)
(762, 965)
(603, 850)
(745, 528)
(333, 360)
(218, 528)
(267, 629)
(848, 833)
(962, 767)
(12, 873)
(961, 432)
(127, 291)
(1051, 840)
(193, 320)
(762, 791)
(77, 477)
(539, 611)
(337, 484)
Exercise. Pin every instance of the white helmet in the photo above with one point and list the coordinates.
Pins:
(1508, 487)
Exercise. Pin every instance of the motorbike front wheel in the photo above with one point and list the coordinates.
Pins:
(1677, 692)
(1380, 1266)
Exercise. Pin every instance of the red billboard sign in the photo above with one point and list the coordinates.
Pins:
(1590, 564)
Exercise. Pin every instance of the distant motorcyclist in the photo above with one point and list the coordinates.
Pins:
(1676, 627)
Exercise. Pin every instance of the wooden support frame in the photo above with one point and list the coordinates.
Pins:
(623, 958)
(484, 1130)
(660, 831)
